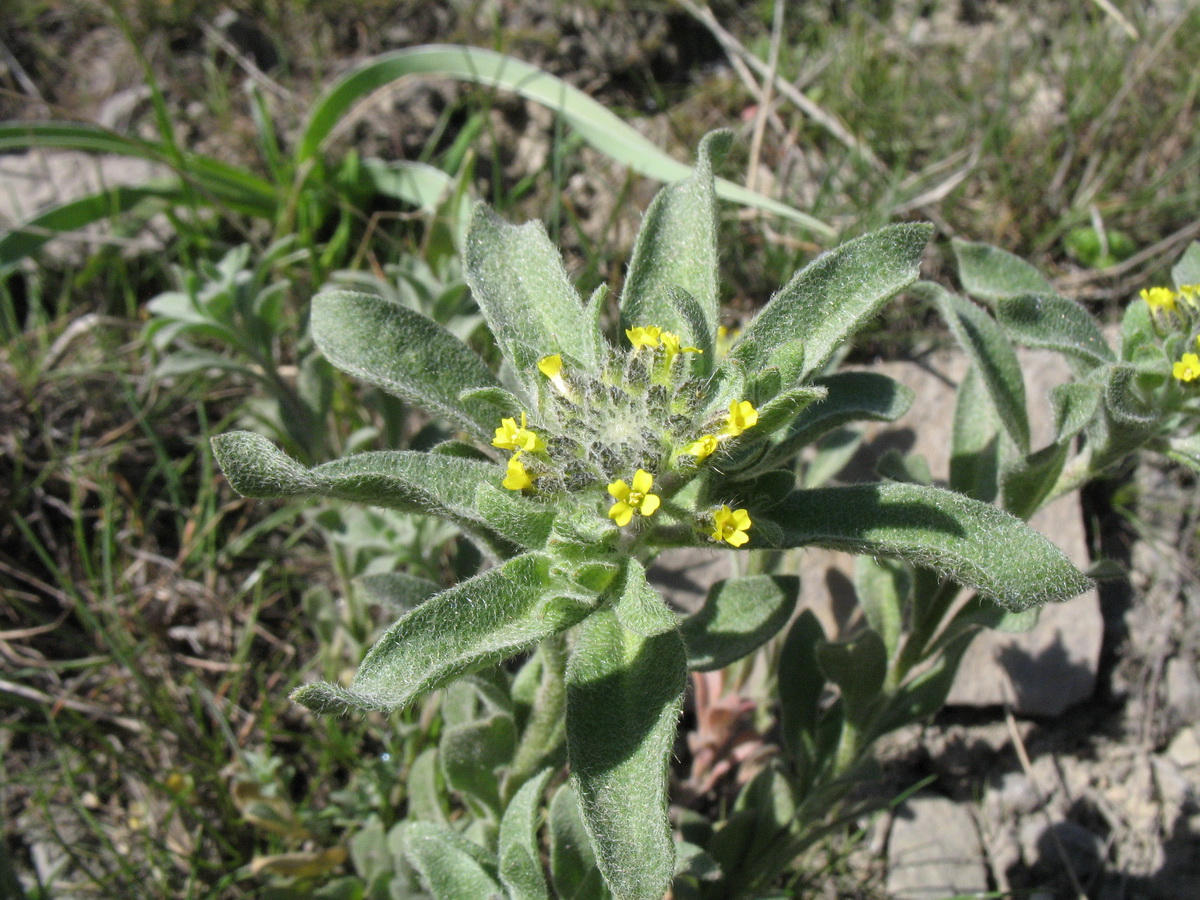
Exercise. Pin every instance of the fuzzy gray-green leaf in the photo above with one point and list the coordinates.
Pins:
(1050, 322)
(990, 273)
(826, 302)
(428, 483)
(518, 280)
(477, 623)
(975, 444)
(624, 697)
(857, 667)
(738, 617)
(991, 352)
(451, 867)
(971, 542)
(677, 246)
(850, 397)
(1187, 270)
(406, 354)
(520, 855)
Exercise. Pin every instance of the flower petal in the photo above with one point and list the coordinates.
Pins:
(649, 504)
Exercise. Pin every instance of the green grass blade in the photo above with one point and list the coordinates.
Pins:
(239, 189)
(29, 236)
(603, 130)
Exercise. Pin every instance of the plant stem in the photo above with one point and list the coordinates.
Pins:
(545, 728)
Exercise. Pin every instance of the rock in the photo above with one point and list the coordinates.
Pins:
(934, 851)
(1184, 749)
(1183, 689)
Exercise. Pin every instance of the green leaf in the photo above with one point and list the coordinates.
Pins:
(520, 855)
(677, 247)
(514, 516)
(1074, 405)
(572, 864)
(481, 621)
(801, 684)
(1187, 270)
(397, 592)
(624, 697)
(599, 127)
(639, 607)
(991, 352)
(470, 755)
(884, 588)
(693, 329)
(738, 617)
(405, 480)
(990, 273)
(911, 468)
(858, 668)
(406, 354)
(971, 542)
(426, 797)
(975, 444)
(451, 867)
(829, 300)
(850, 397)
(1137, 331)
(1051, 322)
(517, 278)
(29, 236)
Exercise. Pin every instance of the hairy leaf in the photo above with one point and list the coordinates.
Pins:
(738, 617)
(677, 246)
(518, 280)
(624, 697)
(451, 867)
(829, 300)
(477, 623)
(971, 542)
(520, 855)
(990, 273)
(991, 352)
(1051, 322)
(406, 354)
(850, 397)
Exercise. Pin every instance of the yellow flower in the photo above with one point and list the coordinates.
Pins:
(510, 436)
(633, 499)
(741, 416)
(1159, 299)
(551, 367)
(705, 446)
(1189, 293)
(671, 342)
(730, 526)
(517, 479)
(1188, 368)
(726, 338)
(644, 337)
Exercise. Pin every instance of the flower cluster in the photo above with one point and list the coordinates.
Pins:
(592, 431)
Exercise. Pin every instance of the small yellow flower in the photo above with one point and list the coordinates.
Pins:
(644, 337)
(703, 447)
(671, 344)
(551, 367)
(730, 526)
(726, 338)
(517, 479)
(742, 415)
(633, 499)
(1189, 293)
(1188, 368)
(1159, 299)
(510, 436)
